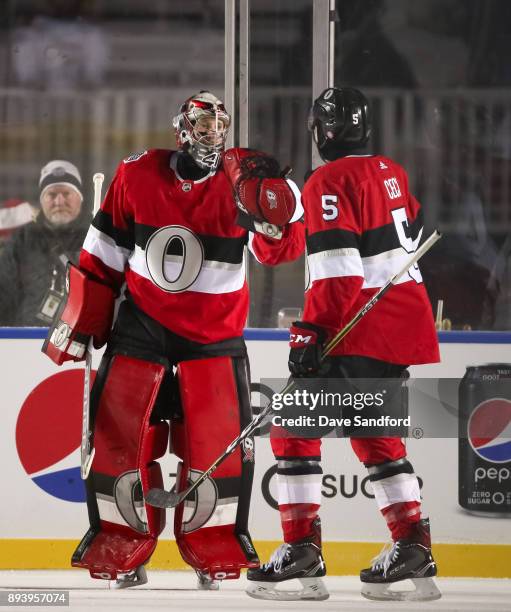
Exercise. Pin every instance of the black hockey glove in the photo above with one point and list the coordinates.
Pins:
(306, 343)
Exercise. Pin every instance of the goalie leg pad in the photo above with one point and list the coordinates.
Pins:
(211, 527)
(124, 530)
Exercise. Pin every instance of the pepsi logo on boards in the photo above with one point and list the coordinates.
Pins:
(49, 431)
(489, 430)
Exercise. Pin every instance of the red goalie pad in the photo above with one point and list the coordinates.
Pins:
(124, 529)
(211, 528)
(87, 310)
(258, 186)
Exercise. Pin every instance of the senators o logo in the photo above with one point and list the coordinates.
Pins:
(186, 266)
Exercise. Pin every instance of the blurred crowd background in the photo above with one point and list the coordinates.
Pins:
(92, 81)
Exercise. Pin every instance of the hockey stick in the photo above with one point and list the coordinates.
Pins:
(170, 499)
(86, 448)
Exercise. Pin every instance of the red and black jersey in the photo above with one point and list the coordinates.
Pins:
(176, 244)
(362, 224)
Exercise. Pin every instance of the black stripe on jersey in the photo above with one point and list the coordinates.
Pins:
(216, 248)
(371, 242)
(331, 239)
(104, 223)
(385, 238)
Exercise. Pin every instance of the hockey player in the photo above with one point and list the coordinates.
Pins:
(169, 228)
(361, 224)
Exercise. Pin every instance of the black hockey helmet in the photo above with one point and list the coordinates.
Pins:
(340, 121)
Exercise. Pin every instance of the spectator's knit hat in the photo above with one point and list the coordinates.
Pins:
(60, 172)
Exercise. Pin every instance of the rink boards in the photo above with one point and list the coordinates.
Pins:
(43, 513)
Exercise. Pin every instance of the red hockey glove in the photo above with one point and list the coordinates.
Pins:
(86, 310)
(306, 343)
(260, 189)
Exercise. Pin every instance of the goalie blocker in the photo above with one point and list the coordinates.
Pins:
(86, 310)
(263, 195)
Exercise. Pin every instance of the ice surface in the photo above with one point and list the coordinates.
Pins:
(175, 591)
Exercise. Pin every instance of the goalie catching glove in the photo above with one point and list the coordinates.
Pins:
(86, 311)
(261, 192)
(306, 348)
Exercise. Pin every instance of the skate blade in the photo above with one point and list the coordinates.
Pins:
(425, 590)
(214, 585)
(205, 583)
(127, 581)
(313, 589)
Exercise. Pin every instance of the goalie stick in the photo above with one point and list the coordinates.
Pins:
(170, 499)
(86, 448)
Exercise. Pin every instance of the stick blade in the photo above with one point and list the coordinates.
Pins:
(86, 464)
(159, 498)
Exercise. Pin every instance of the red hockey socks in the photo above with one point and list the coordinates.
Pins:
(402, 519)
(397, 493)
(299, 496)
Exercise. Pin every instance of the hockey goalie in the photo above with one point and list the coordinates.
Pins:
(172, 229)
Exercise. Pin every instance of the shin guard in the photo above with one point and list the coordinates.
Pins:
(211, 527)
(124, 530)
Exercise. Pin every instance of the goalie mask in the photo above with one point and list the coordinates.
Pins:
(340, 121)
(201, 129)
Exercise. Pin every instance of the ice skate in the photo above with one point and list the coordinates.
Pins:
(134, 578)
(405, 559)
(300, 560)
(205, 582)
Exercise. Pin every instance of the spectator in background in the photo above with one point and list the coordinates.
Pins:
(33, 261)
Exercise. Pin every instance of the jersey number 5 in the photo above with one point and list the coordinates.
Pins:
(409, 245)
(329, 205)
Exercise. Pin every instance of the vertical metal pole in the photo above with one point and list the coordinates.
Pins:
(331, 45)
(323, 25)
(244, 99)
(244, 107)
(230, 68)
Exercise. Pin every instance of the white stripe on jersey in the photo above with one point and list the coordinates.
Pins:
(375, 270)
(250, 246)
(299, 212)
(104, 248)
(378, 269)
(299, 489)
(215, 276)
(396, 489)
(334, 263)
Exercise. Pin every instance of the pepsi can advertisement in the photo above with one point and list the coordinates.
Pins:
(484, 447)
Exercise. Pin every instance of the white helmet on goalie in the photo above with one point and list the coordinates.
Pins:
(201, 129)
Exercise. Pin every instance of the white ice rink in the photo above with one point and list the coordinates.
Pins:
(175, 591)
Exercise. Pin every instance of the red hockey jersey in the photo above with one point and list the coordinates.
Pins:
(176, 244)
(362, 224)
